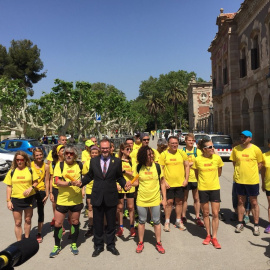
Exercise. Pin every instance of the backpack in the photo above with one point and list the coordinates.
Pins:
(29, 168)
(194, 153)
(139, 166)
(78, 162)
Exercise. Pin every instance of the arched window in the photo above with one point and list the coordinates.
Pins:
(243, 63)
(255, 55)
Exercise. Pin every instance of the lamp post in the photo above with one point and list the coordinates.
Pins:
(211, 118)
(193, 122)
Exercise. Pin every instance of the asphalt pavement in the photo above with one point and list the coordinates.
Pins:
(184, 249)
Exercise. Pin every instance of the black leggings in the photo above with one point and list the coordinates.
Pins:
(39, 196)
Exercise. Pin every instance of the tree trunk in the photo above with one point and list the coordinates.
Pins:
(175, 115)
(156, 122)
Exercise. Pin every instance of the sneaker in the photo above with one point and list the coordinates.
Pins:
(166, 227)
(160, 248)
(120, 231)
(89, 232)
(267, 229)
(216, 243)
(180, 226)
(39, 238)
(199, 222)
(140, 247)
(73, 248)
(246, 219)
(152, 223)
(239, 228)
(132, 232)
(207, 240)
(184, 220)
(126, 214)
(256, 231)
(55, 252)
(136, 224)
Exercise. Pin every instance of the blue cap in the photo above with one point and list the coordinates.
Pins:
(247, 133)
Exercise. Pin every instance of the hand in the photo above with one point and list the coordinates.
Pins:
(45, 200)
(185, 183)
(51, 197)
(164, 203)
(27, 192)
(119, 188)
(76, 183)
(190, 163)
(166, 184)
(10, 205)
(128, 185)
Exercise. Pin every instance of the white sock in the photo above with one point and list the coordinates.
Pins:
(178, 220)
(167, 220)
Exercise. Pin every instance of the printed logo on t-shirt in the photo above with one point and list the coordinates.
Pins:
(244, 155)
(70, 171)
(207, 164)
(148, 173)
(20, 177)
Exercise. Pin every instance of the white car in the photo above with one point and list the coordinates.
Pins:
(7, 155)
(4, 168)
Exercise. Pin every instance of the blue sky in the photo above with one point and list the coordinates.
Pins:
(118, 42)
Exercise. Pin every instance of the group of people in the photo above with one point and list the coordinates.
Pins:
(139, 178)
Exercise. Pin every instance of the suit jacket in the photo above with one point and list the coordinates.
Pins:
(104, 188)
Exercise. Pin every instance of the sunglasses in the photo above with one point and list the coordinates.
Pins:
(70, 154)
(209, 147)
(146, 140)
(20, 159)
(128, 149)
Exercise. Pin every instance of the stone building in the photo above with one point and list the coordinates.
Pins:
(199, 102)
(240, 61)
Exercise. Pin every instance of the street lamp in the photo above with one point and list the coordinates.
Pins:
(268, 78)
(211, 118)
(193, 122)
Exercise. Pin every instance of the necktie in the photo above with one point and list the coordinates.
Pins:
(104, 167)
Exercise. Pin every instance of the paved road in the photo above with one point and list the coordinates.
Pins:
(183, 249)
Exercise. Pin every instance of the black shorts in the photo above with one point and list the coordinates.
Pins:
(191, 186)
(247, 190)
(209, 196)
(267, 193)
(55, 194)
(39, 196)
(128, 195)
(72, 208)
(175, 192)
(22, 204)
(88, 196)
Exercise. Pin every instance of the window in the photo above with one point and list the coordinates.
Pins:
(225, 73)
(14, 144)
(255, 56)
(243, 63)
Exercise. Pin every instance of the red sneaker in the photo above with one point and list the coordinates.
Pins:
(207, 240)
(39, 238)
(120, 232)
(140, 247)
(160, 248)
(199, 222)
(216, 243)
(132, 232)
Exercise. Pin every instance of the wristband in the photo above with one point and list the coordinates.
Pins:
(33, 187)
(8, 200)
(69, 184)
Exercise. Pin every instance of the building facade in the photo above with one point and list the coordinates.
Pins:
(240, 63)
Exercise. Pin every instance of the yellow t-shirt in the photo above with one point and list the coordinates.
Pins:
(89, 186)
(266, 163)
(127, 167)
(137, 146)
(52, 172)
(208, 172)
(21, 180)
(85, 156)
(149, 188)
(174, 169)
(191, 158)
(69, 195)
(49, 157)
(246, 164)
(41, 176)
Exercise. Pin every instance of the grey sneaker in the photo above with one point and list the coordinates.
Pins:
(166, 227)
(74, 249)
(239, 228)
(256, 231)
(246, 219)
(180, 226)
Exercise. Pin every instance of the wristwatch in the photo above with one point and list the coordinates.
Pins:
(69, 184)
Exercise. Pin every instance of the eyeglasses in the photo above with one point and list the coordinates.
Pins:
(209, 147)
(20, 159)
(105, 148)
(128, 149)
(69, 154)
(146, 140)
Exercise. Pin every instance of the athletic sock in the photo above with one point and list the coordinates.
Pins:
(131, 226)
(178, 220)
(75, 229)
(58, 231)
(121, 226)
(167, 220)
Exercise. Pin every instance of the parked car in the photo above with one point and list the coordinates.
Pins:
(8, 156)
(4, 168)
(222, 143)
(199, 136)
(26, 145)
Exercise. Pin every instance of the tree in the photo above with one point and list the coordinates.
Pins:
(155, 106)
(175, 94)
(22, 62)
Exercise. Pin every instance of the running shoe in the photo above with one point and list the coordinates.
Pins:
(160, 248)
(140, 247)
(55, 252)
(136, 224)
(267, 229)
(120, 231)
(152, 223)
(166, 227)
(132, 232)
(180, 226)
(126, 214)
(207, 240)
(216, 243)
(256, 231)
(89, 232)
(239, 228)
(199, 222)
(39, 238)
(246, 219)
(184, 220)
(73, 248)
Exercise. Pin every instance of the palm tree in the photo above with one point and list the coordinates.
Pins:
(175, 95)
(155, 106)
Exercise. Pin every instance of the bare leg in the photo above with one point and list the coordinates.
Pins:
(206, 219)
(215, 220)
(17, 215)
(28, 213)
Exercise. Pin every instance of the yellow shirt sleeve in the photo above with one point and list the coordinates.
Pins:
(49, 157)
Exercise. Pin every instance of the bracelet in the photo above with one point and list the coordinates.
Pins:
(33, 187)
(8, 200)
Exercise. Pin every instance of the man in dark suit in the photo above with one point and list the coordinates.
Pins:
(105, 170)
